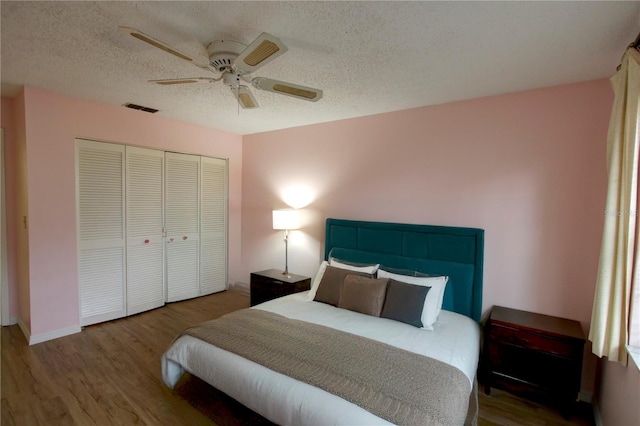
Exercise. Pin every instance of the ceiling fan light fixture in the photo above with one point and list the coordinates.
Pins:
(222, 53)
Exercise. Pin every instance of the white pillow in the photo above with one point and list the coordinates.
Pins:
(316, 281)
(369, 269)
(434, 299)
(323, 267)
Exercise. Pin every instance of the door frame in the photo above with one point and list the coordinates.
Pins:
(5, 318)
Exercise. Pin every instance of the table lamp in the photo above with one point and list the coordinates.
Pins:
(286, 220)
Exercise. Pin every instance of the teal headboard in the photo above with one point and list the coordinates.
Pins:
(443, 250)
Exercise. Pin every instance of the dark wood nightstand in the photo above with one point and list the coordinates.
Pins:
(269, 284)
(535, 356)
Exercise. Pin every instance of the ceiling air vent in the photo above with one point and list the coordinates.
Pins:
(140, 107)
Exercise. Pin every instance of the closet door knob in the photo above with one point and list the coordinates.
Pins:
(146, 241)
(185, 238)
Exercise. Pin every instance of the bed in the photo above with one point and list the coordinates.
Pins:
(434, 364)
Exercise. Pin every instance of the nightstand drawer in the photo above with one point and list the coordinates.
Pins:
(534, 342)
(541, 369)
(260, 281)
(272, 283)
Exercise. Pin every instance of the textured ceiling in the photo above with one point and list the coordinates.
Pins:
(368, 57)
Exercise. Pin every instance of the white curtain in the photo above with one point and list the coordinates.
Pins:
(615, 318)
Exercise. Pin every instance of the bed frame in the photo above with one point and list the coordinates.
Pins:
(439, 250)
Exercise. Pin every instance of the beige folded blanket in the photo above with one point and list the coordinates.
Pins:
(397, 385)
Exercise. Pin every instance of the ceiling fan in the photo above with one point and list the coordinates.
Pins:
(235, 61)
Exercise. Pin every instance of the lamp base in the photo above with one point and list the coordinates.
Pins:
(286, 254)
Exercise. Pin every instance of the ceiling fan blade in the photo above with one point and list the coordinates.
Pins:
(245, 97)
(260, 52)
(167, 82)
(289, 89)
(160, 45)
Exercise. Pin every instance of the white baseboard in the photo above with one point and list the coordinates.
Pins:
(24, 328)
(50, 335)
(240, 286)
(12, 321)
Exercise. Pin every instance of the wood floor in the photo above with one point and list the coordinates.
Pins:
(110, 375)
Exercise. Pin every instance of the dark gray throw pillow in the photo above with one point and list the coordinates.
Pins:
(330, 286)
(362, 294)
(404, 302)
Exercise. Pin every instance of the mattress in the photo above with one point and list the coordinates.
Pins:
(455, 340)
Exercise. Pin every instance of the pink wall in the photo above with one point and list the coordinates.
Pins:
(528, 168)
(617, 397)
(52, 124)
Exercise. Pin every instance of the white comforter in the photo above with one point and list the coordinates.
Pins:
(283, 400)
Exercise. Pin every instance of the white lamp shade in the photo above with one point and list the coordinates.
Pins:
(286, 219)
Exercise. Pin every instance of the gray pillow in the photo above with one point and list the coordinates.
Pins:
(404, 302)
(330, 286)
(362, 294)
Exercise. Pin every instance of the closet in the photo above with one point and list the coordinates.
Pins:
(152, 228)
(213, 228)
(183, 226)
(144, 220)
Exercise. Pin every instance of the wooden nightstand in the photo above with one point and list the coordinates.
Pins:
(535, 356)
(269, 284)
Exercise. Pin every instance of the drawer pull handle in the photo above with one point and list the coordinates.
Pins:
(277, 282)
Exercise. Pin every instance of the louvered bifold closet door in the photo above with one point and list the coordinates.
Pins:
(101, 230)
(182, 219)
(213, 225)
(145, 221)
